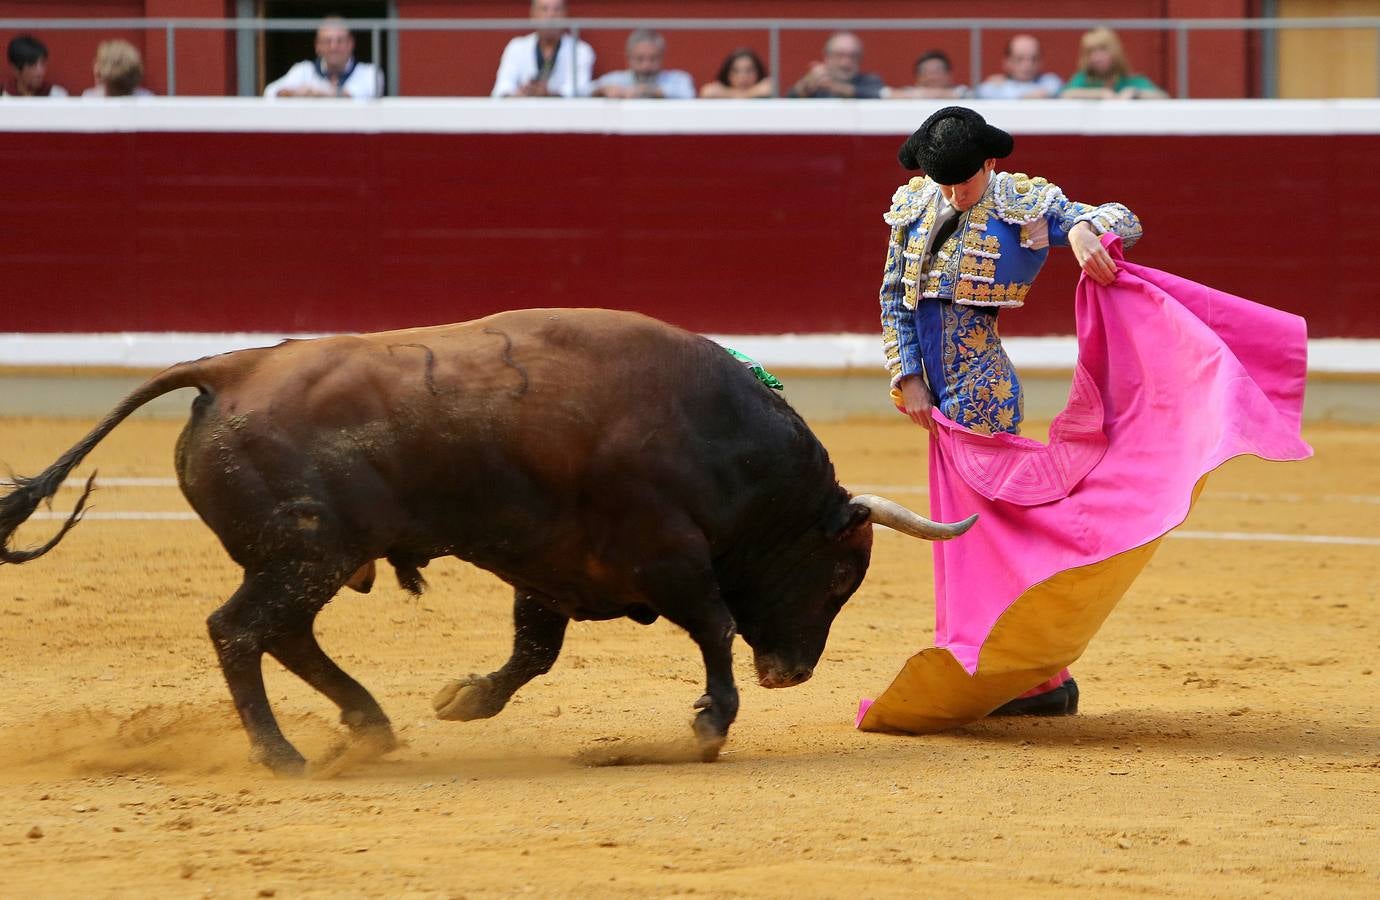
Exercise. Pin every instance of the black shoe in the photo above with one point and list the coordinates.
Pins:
(1061, 701)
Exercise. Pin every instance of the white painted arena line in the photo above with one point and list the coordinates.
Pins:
(1340, 539)
(1347, 540)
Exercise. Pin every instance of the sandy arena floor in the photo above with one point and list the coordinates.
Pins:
(1229, 743)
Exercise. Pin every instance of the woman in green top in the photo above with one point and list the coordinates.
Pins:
(1104, 73)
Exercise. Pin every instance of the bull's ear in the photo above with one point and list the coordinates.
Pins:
(846, 520)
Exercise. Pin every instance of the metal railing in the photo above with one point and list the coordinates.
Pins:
(378, 28)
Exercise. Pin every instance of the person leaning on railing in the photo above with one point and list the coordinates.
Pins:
(840, 73)
(934, 80)
(1104, 72)
(29, 61)
(118, 70)
(334, 73)
(644, 78)
(538, 64)
(1022, 75)
(741, 77)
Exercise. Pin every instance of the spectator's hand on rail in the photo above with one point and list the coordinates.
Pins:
(1091, 255)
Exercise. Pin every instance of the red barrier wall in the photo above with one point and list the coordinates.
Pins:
(721, 233)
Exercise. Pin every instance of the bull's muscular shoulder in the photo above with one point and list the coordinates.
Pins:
(910, 201)
(1020, 199)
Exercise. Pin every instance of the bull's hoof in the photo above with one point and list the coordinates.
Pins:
(363, 745)
(284, 762)
(466, 699)
(709, 736)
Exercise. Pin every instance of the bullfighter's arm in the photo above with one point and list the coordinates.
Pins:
(900, 342)
(1064, 213)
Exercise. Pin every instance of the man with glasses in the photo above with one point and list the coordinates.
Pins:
(840, 74)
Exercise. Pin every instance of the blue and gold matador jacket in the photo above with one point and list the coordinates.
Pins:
(991, 260)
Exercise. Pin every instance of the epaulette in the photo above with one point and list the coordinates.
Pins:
(909, 201)
(1020, 199)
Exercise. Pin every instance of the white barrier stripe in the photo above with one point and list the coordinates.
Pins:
(823, 351)
(1346, 539)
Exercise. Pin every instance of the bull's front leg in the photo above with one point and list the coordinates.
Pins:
(538, 632)
(719, 705)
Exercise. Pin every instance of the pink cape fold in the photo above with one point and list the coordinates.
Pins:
(1173, 378)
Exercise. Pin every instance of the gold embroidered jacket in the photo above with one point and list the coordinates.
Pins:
(992, 258)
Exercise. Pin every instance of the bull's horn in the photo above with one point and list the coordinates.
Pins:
(893, 515)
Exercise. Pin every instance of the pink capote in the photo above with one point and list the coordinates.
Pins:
(1173, 378)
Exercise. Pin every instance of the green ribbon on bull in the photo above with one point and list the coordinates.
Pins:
(755, 367)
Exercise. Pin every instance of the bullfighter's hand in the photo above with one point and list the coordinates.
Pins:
(915, 401)
(1091, 255)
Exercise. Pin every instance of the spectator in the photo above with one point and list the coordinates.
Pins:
(644, 76)
(934, 79)
(538, 64)
(29, 60)
(840, 74)
(118, 71)
(1020, 78)
(742, 76)
(1104, 72)
(334, 72)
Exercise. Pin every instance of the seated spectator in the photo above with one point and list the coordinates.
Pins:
(1020, 77)
(538, 64)
(644, 77)
(29, 60)
(934, 79)
(118, 71)
(840, 74)
(334, 72)
(1104, 72)
(742, 76)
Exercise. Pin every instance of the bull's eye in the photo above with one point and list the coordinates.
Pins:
(844, 580)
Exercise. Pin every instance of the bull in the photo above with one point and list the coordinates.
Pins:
(603, 463)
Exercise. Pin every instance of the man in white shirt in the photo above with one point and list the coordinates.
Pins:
(644, 77)
(1022, 77)
(539, 64)
(334, 72)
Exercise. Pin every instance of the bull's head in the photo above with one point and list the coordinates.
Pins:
(787, 631)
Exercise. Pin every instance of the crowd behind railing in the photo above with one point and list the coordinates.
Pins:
(541, 64)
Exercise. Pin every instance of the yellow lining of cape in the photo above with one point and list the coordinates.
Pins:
(1045, 629)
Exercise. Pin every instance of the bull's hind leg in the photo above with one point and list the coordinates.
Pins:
(538, 632)
(274, 614)
(371, 734)
(257, 614)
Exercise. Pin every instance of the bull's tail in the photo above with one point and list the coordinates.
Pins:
(19, 504)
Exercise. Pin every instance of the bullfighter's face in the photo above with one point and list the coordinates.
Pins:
(962, 196)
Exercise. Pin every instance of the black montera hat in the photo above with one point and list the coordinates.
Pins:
(953, 144)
